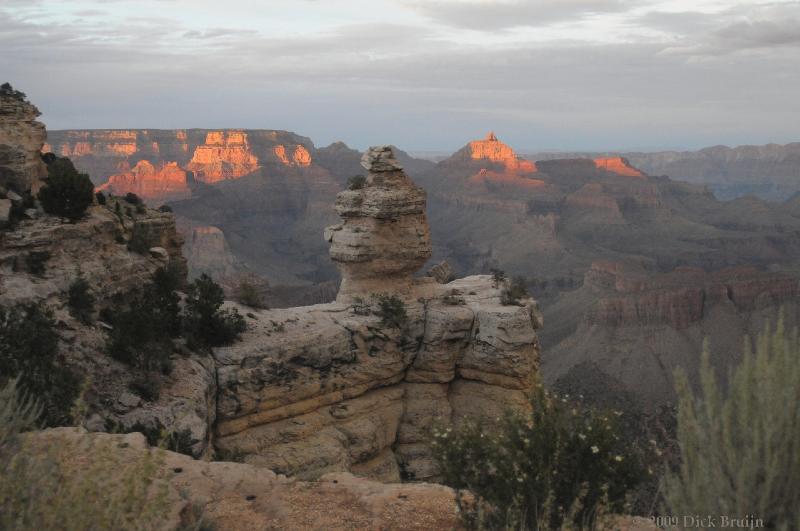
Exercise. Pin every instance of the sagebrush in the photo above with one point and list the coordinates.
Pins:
(740, 449)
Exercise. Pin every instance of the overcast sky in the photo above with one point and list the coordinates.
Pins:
(422, 74)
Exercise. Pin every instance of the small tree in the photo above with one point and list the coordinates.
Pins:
(29, 352)
(356, 182)
(514, 292)
(205, 321)
(391, 310)
(133, 199)
(143, 330)
(739, 450)
(498, 276)
(247, 294)
(67, 193)
(80, 300)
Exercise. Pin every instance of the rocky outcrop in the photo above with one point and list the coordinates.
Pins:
(167, 182)
(21, 140)
(300, 155)
(346, 387)
(384, 237)
(207, 252)
(225, 155)
(618, 165)
(490, 149)
(242, 497)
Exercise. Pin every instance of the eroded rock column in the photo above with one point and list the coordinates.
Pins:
(384, 236)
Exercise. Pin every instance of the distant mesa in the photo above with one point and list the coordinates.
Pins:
(618, 165)
(491, 149)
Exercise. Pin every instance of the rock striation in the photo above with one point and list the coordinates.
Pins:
(21, 140)
(225, 155)
(335, 387)
(384, 237)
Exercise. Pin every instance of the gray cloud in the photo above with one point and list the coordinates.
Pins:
(375, 83)
(489, 16)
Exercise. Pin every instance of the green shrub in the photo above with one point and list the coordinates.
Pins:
(513, 294)
(29, 352)
(559, 465)
(206, 323)
(247, 294)
(133, 199)
(356, 182)
(35, 262)
(146, 387)
(80, 300)
(67, 193)
(740, 449)
(144, 327)
(498, 276)
(101, 198)
(391, 310)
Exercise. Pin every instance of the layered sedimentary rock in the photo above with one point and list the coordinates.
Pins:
(299, 157)
(165, 182)
(225, 155)
(492, 150)
(21, 140)
(384, 237)
(636, 327)
(618, 165)
(344, 387)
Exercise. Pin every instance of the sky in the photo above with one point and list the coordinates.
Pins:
(426, 75)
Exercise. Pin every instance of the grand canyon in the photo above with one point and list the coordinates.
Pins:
(463, 264)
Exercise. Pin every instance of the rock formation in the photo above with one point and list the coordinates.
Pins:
(207, 252)
(167, 182)
(225, 155)
(492, 150)
(339, 387)
(21, 140)
(384, 236)
(618, 165)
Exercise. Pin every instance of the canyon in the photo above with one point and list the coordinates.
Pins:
(769, 171)
(550, 221)
(306, 391)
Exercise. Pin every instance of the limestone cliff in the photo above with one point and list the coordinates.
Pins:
(335, 387)
(21, 140)
(167, 182)
(224, 155)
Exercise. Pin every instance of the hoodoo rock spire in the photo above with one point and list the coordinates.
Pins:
(384, 236)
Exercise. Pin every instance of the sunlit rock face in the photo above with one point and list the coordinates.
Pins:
(21, 139)
(618, 165)
(167, 182)
(300, 156)
(384, 237)
(491, 149)
(225, 155)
